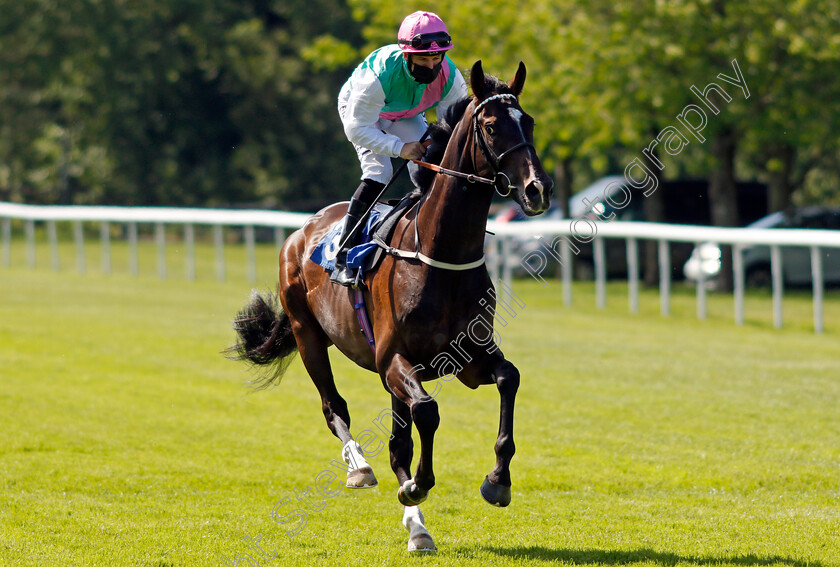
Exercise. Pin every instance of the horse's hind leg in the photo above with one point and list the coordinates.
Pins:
(312, 345)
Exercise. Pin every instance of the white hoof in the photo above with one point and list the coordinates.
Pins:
(359, 472)
(361, 478)
(421, 543)
(419, 538)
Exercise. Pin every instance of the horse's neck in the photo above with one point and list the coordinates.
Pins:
(453, 219)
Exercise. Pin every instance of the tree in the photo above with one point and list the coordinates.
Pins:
(222, 102)
(171, 102)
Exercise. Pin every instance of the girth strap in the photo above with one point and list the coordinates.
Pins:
(417, 255)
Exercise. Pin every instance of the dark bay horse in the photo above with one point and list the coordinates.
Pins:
(418, 308)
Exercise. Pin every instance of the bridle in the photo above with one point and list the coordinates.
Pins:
(493, 160)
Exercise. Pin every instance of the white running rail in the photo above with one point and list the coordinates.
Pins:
(558, 238)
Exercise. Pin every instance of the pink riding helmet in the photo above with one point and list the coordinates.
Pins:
(423, 32)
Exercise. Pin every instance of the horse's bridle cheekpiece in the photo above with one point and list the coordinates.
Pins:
(489, 155)
(492, 159)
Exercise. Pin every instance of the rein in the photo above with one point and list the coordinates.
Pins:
(492, 159)
(468, 176)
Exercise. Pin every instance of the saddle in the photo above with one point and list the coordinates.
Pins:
(366, 256)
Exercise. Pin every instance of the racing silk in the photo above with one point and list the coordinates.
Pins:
(381, 91)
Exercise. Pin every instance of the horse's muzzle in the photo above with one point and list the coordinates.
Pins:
(537, 196)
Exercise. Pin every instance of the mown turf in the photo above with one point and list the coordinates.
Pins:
(126, 438)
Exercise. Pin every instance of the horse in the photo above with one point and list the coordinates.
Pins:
(422, 298)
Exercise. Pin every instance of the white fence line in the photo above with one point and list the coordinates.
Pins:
(567, 235)
(158, 217)
(573, 232)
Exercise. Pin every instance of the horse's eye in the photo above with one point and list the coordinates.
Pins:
(490, 129)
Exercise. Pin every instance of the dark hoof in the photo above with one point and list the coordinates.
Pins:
(495, 494)
(410, 494)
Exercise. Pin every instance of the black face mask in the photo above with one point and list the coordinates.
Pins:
(424, 75)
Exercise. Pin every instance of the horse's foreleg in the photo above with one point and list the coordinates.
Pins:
(401, 445)
(402, 450)
(402, 382)
(496, 487)
(419, 538)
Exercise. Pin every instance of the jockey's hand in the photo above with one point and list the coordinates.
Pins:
(413, 150)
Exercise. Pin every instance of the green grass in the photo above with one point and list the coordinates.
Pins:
(126, 438)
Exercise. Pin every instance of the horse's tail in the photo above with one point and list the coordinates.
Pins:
(264, 337)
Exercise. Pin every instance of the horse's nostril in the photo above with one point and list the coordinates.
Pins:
(533, 192)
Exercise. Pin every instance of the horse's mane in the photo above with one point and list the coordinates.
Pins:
(440, 131)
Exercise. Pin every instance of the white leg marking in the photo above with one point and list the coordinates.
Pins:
(419, 538)
(359, 472)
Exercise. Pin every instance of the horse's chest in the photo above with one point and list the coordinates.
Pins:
(428, 309)
(431, 326)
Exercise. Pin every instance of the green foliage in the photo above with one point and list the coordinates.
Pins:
(170, 102)
(225, 102)
(328, 53)
(606, 76)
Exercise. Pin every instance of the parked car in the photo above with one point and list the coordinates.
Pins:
(796, 260)
(685, 202)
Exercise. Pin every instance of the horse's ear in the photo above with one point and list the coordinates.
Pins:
(477, 80)
(518, 80)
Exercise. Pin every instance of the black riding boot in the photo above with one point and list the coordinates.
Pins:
(342, 274)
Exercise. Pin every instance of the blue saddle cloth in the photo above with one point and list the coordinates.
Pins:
(326, 250)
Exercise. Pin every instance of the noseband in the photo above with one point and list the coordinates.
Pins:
(495, 160)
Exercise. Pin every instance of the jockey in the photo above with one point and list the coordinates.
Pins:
(382, 107)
